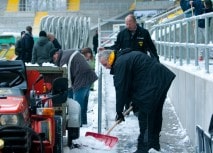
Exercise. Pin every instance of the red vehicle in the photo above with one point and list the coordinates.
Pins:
(29, 122)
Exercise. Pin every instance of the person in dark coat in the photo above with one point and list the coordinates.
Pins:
(208, 8)
(80, 76)
(145, 82)
(184, 4)
(199, 9)
(95, 42)
(135, 38)
(18, 48)
(42, 49)
(55, 42)
(27, 43)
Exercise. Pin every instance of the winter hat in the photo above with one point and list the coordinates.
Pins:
(42, 33)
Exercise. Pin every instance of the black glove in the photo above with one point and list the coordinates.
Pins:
(119, 117)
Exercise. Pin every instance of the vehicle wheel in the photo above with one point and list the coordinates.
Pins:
(58, 147)
(73, 133)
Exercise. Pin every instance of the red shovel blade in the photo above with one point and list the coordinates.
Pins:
(108, 140)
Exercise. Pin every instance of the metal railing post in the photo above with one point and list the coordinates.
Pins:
(99, 82)
(206, 42)
(169, 46)
(196, 41)
(180, 47)
(187, 41)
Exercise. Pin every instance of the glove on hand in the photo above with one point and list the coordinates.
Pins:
(119, 117)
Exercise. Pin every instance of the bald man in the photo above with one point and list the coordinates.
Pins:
(135, 38)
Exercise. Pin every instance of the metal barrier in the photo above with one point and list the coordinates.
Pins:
(204, 142)
(71, 31)
(181, 40)
(157, 19)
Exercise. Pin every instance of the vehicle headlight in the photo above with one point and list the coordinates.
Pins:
(8, 119)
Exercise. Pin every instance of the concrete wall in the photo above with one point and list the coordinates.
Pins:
(191, 95)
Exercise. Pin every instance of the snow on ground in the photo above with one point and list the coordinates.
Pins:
(174, 138)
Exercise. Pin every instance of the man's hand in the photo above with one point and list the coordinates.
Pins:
(119, 117)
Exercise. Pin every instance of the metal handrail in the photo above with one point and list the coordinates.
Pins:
(179, 41)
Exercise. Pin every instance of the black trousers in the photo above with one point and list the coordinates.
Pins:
(150, 126)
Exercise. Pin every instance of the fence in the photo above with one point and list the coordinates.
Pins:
(71, 31)
(182, 40)
(205, 139)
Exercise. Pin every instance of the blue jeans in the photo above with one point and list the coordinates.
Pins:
(82, 96)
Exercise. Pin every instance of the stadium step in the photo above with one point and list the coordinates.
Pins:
(73, 5)
(12, 6)
(37, 20)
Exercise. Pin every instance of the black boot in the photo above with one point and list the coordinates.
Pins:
(71, 145)
(154, 143)
(142, 148)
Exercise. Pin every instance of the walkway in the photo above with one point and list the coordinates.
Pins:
(174, 138)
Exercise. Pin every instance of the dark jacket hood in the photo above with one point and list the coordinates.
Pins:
(42, 41)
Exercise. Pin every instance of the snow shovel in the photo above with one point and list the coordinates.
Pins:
(106, 138)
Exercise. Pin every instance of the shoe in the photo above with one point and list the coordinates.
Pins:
(72, 146)
(139, 151)
(152, 150)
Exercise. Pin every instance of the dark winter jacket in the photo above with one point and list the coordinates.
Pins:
(198, 10)
(82, 74)
(140, 79)
(18, 50)
(56, 44)
(95, 43)
(140, 41)
(41, 51)
(185, 5)
(209, 10)
(27, 43)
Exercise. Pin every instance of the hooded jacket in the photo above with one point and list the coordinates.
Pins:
(41, 51)
(140, 79)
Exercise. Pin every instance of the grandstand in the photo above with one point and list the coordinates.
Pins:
(22, 13)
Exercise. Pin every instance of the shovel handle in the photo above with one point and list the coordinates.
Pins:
(118, 121)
